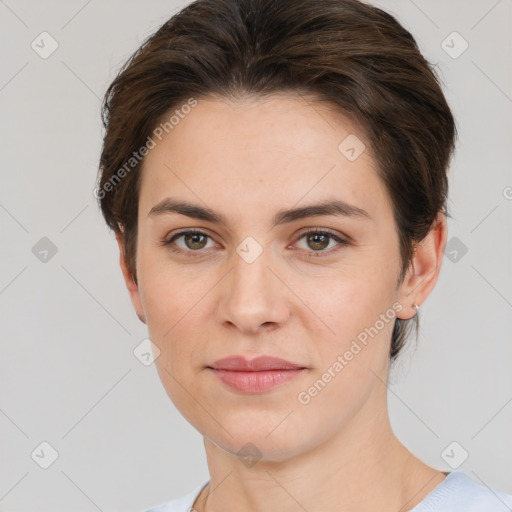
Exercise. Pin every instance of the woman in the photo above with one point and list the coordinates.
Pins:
(276, 176)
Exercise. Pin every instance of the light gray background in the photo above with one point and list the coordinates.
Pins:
(68, 373)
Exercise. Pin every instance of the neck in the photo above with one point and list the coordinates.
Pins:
(363, 468)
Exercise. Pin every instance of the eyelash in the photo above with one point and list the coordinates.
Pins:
(313, 254)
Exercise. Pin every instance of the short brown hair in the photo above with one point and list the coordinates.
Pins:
(346, 53)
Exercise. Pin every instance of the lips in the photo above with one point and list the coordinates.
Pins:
(262, 363)
(257, 375)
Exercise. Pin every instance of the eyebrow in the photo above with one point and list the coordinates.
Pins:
(333, 207)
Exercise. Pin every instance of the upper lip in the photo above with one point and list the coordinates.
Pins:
(261, 363)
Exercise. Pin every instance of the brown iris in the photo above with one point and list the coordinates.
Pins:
(318, 241)
(195, 241)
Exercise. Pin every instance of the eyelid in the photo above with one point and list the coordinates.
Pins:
(315, 229)
(187, 231)
(341, 237)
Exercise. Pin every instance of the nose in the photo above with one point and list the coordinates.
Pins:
(253, 298)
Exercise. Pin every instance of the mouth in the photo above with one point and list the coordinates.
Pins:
(257, 375)
(261, 363)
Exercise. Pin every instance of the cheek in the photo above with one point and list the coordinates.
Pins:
(358, 308)
(352, 300)
(172, 308)
(361, 314)
(170, 302)
(168, 293)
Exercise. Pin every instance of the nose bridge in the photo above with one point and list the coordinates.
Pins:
(250, 279)
(253, 296)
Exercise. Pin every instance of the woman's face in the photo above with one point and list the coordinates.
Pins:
(259, 282)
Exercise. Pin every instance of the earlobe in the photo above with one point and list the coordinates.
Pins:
(132, 287)
(424, 269)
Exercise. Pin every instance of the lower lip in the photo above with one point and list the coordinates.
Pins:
(255, 382)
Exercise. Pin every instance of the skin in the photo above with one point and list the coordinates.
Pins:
(246, 160)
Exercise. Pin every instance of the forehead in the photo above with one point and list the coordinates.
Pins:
(258, 151)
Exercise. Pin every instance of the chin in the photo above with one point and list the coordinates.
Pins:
(252, 449)
(263, 439)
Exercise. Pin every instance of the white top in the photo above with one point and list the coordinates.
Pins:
(456, 493)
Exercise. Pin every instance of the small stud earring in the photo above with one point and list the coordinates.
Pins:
(416, 307)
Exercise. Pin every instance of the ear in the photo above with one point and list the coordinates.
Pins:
(133, 289)
(424, 269)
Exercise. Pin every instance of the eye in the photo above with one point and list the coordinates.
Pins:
(319, 241)
(192, 241)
